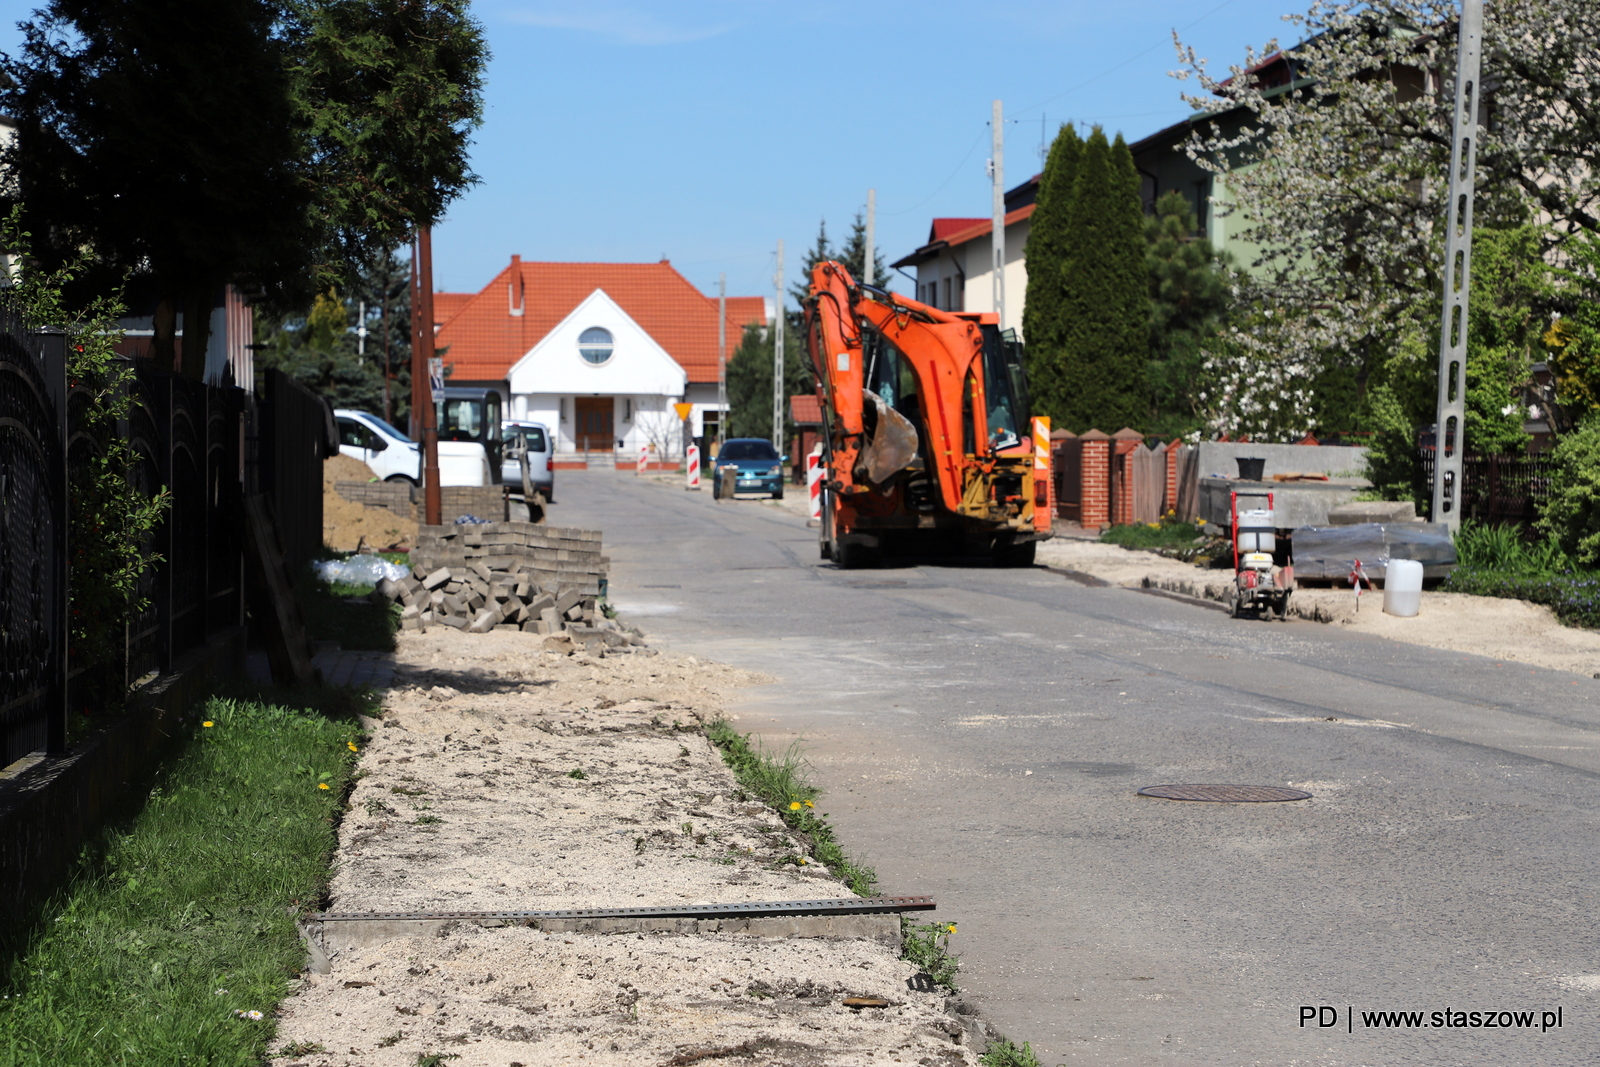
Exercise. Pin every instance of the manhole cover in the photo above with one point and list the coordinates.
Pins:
(1226, 794)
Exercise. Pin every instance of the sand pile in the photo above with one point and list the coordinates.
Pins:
(345, 522)
(505, 778)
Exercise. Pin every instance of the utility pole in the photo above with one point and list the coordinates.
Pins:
(998, 173)
(422, 367)
(388, 405)
(1449, 435)
(419, 381)
(722, 359)
(777, 357)
(867, 260)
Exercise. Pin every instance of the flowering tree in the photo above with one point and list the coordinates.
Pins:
(1339, 174)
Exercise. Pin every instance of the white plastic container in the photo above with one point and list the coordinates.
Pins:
(1256, 531)
(1402, 587)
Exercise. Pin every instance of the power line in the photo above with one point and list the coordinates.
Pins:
(1124, 63)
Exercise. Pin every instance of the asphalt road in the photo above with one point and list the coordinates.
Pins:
(981, 734)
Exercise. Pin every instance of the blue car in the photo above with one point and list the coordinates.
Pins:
(760, 467)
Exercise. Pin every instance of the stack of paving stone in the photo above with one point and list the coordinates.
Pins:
(510, 576)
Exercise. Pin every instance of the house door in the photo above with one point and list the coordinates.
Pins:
(593, 427)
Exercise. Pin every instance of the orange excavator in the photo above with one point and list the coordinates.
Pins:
(927, 441)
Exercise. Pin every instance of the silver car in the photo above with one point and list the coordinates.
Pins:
(534, 439)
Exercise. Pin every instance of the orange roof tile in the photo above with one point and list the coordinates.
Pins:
(484, 339)
(982, 227)
(446, 305)
(806, 410)
(943, 228)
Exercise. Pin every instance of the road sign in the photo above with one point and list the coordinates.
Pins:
(683, 410)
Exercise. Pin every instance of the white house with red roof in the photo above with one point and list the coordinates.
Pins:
(598, 352)
(955, 268)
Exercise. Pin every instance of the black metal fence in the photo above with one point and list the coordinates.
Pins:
(1498, 490)
(297, 433)
(185, 436)
(33, 508)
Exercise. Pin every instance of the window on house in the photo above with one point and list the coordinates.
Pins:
(627, 409)
(949, 302)
(1201, 202)
(595, 345)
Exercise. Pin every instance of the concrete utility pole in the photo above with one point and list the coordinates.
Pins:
(722, 359)
(1449, 435)
(777, 358)
(997, 171)
(867, 260)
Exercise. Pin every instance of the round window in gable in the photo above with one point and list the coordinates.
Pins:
(595, 345)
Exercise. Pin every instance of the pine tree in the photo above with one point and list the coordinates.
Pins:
(1105, 314)
(854, 255)
(1188, 300)
(1047, 241)
(750, 382)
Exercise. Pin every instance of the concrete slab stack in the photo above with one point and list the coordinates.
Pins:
(510, 576)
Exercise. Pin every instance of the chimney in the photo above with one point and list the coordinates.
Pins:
(515, 296)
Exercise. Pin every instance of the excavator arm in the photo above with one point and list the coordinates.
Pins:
(946, 352)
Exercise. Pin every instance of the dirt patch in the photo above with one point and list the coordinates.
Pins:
(345, 522)
(1513, 630)
(505, 778)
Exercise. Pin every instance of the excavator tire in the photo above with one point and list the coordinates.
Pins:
(851, 556)
(1007, 553)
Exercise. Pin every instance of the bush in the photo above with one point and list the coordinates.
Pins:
(1571, 514)
(1573, 595)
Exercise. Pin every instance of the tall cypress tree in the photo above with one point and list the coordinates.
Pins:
(1046, 249)
(1105, 314)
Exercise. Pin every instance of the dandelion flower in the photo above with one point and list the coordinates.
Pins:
(351, 745)
(794, 805)
(322, 785)
(208, 723)
(809, 804)
(952, 928)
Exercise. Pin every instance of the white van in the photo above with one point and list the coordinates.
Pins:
(394, 457)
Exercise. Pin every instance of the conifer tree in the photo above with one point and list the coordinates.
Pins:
(1105, 314)
(854, 255)
(1188, 299)
(1047, 239)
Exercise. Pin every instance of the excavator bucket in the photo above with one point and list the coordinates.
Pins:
(892, 443)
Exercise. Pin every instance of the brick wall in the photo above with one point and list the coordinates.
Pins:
(482, 501)
(394, 496)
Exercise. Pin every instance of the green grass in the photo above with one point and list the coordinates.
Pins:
(195, 894)
(1002, 1053)
(777, 780)
(330, 616)
(928, 946)
(1170, 537)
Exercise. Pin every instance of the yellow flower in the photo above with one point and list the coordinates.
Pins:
(794, 805)
(952, 928)
(352, 746)
(809, 804)
(322, 785)
(208, 723)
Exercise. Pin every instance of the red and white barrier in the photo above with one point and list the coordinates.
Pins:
(644, 459)
(1044, 503)
(691, 460)
(814, 472)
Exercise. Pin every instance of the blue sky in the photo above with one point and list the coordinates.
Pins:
(705, 130)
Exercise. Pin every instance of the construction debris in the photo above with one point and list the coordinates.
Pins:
(522, 576)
